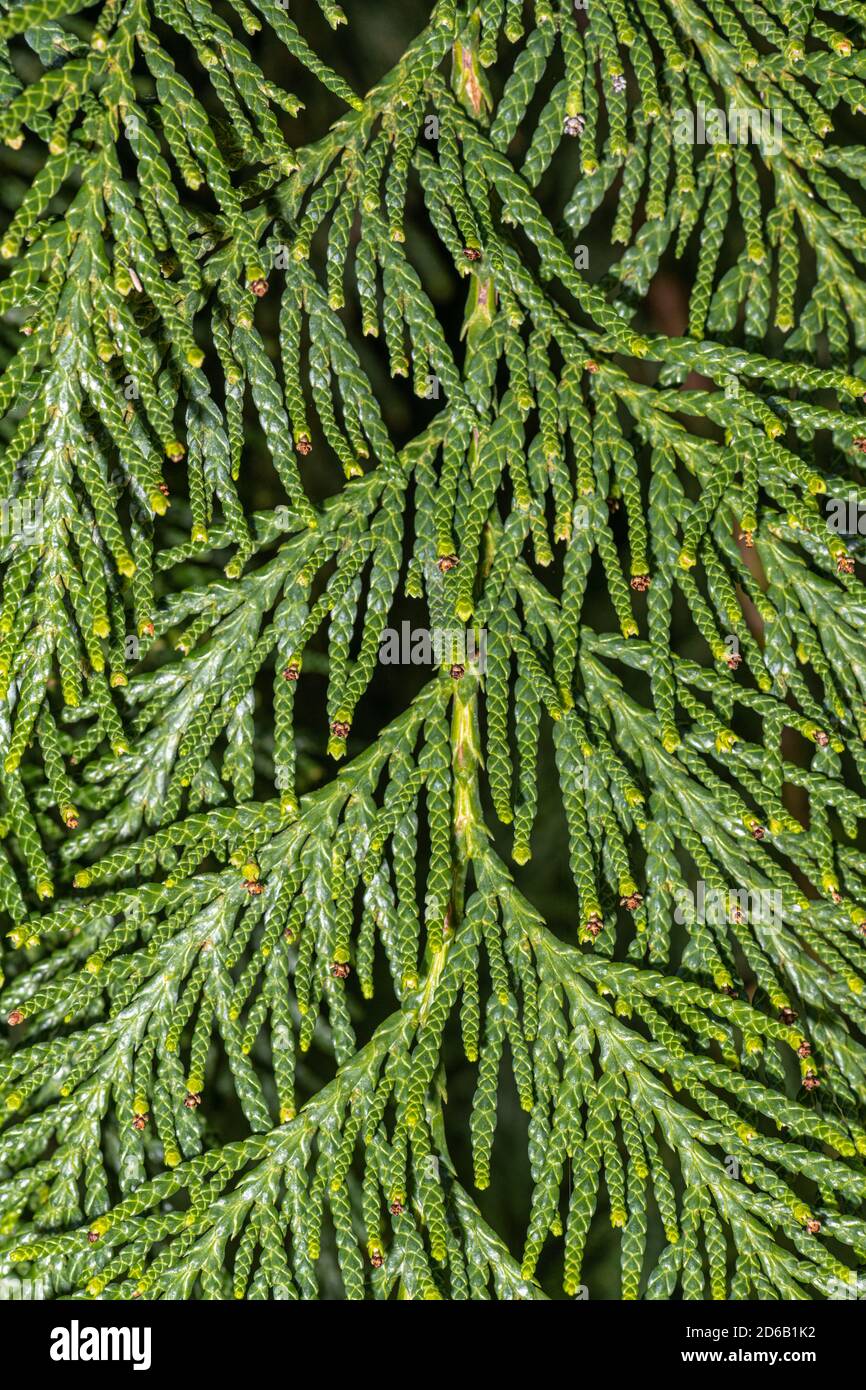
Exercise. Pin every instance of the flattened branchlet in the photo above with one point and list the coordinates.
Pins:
(272, 402)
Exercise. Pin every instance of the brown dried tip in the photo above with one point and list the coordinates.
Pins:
(804, 1050)
(163, 488)
(340, 729)
(303, 445)
(591, 367)
(259, 288)
(787, 1016)
(292, 671)
(253, 887)
(457, 671)
(472, 253)
(632, 902)
(140, 1122)
(640, 582)
(447, 562)
(811, 1082)
(821, 738)
(574, 125)
(92, 1237)
(612, 504)
(147, 629)
(730, 991)
(748, 539)
(845, 564)
(813, 1225)
(733, 659)
(340, 969)
(861, 927)
(758, 832)
(71, 823)
(377, 1259)
(396, 1208)
(15, 1018)
(595, 926)
(192, 1100)
(859, 444)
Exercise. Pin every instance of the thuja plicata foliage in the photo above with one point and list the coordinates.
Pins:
(201, 899)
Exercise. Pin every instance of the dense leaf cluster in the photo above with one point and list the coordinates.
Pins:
(189, 915)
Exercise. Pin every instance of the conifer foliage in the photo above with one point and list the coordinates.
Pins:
(246, 954)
